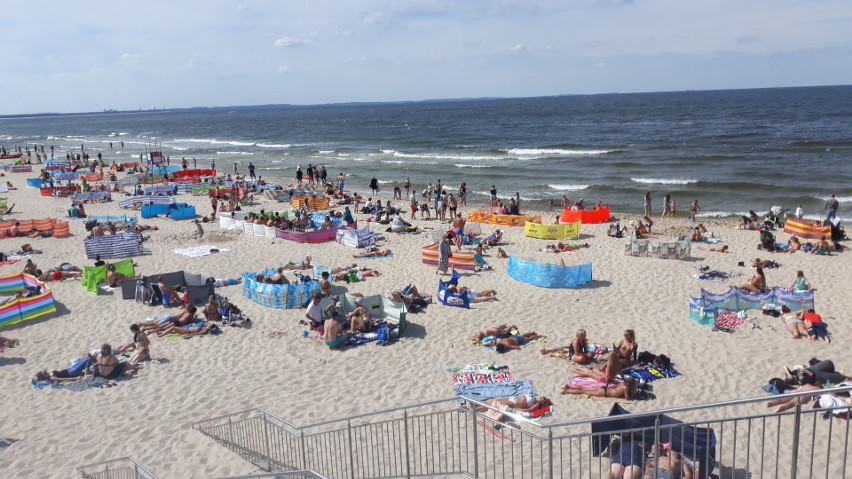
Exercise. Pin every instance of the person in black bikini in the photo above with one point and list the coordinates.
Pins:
(108, 366)
(515, 341)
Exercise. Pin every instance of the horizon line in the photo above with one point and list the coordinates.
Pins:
(389, 102)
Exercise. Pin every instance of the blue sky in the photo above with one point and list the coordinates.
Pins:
(93, 55)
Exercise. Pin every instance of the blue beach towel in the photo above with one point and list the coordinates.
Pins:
(483, 392)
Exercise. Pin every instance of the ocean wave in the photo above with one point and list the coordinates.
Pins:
(385, 182)
(464, 165)
(326, 152)
(664, 181)
(273, 145)
(232, 143)
(568, 187)
(841, 199)
(447, 156)
(554, 152)
(721, 214)
(195, 140)
(402, 162)
(179, 148)
(235, 153)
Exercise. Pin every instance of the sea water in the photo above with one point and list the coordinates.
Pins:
(732, 150)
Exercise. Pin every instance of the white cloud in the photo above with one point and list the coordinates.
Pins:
(283, 69)
(519, 47)
(291, 42)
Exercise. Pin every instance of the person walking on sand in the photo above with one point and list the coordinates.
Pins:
(407, 186)
(667, 205)
(235, 168)
(200, 229)
(251, 170)
(693, 210)
(444, 253)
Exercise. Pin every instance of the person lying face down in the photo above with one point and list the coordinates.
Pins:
(515, 342)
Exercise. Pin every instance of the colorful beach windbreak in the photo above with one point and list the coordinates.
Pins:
(703, 308)
(548, 275)
(293, 295)
(552, 232)
(24, 309)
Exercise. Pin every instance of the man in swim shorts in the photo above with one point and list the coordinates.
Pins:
(333, 330)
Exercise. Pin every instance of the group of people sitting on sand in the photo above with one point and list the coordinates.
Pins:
(279, 277)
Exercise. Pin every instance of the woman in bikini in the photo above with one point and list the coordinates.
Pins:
(306, 264)
(580, 346)
(793, 322)
(627, 349)
(757, 283)
(139, 345)
(211, 309)
(625, 389)
(526, 403)
(108, 366)
(605, 374)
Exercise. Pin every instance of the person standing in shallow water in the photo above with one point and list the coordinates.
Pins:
(374, 185)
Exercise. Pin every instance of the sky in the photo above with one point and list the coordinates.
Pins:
(96, 55)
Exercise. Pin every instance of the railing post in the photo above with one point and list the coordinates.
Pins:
(351, 452)
(794, 449)
(657, 443)
(550, 453)
(407, 444)
(475, 443)
(266, 438)
(304, 452)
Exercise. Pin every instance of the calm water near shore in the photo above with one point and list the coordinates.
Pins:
(732, 150)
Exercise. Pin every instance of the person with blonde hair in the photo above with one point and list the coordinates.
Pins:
(580, 350)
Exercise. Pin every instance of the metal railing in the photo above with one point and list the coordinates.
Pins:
(439, 438)
(300, 474)
(122, 468)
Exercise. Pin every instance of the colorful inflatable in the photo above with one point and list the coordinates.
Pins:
(549, 275)
(598, 215)
(491, 217)
(462, 260)
(293, 295)
(703, 309)
(806, 229)
(24, 309)
(552, 232)
(450, 299)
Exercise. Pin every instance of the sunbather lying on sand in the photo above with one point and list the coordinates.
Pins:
(76, 371)
(8, 342)
(626, 389)
(525, 403)
(500, 331)
(515, 342)
(306, 264)
(185, 315)
(373, 254)
(475, 296)
(360, 271)
(191, 329)
(669, 464)
(561, 247)
(717, 249)
(63, 271)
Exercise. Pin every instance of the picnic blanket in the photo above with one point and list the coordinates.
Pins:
(198, 251)
(713, 275)
(483, 368)
(483, 392)
(81, 385)
(651, 373)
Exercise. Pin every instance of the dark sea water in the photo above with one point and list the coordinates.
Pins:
(732, 150)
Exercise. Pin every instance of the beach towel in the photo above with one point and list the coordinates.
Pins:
(483, 392)
(483, 368)
(712, 275)
(363, 337)
(482, 378)
(651, 373)
(375, 257)
(9, 261)
(584, 382)
(77, 386)
(198, 251)
(731, 320)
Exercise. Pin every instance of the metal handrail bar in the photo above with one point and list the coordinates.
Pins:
(572, 422)
(138, 465)
(273, 475)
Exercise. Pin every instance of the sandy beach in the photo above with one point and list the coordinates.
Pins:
(48, 433)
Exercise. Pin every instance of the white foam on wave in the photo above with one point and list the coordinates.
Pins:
(235, 153)
(664, 181)
(195, 140)
(233, 143)
(721, 214)
(554, 152)
(568, 187)
(464, 165)
(448, 156)
(841, 199)
(385, 182)
(327, 152)
(179, 148)
(403, 162)
(274, 145)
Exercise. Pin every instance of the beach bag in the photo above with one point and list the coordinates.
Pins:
(352, 278)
